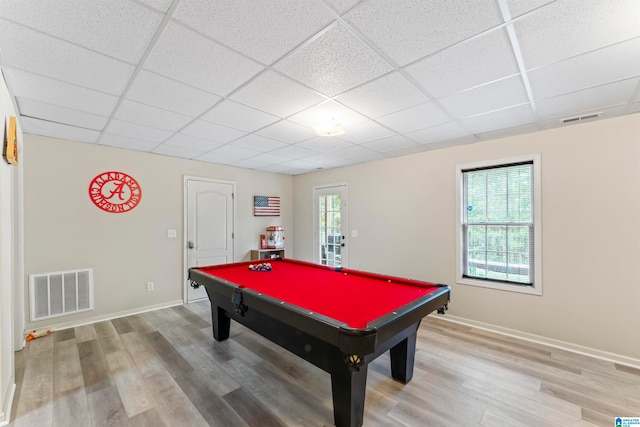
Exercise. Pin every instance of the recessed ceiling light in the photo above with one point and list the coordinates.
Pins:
(330, 128)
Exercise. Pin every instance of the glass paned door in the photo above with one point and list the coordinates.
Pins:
(330, 226)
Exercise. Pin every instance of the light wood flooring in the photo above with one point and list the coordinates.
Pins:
(163, 368)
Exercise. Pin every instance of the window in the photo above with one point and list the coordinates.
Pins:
(499, 225)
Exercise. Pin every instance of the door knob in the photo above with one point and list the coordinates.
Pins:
(190, 244)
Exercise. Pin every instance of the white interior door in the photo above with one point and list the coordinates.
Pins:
(330, 225)
(209, 226)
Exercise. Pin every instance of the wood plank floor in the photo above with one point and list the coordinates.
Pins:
(163, 368)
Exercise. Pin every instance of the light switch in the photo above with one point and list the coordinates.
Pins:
(172, 234)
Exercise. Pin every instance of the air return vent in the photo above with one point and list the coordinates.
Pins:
(60, 293)
(580, 118)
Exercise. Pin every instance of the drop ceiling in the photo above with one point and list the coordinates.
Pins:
(245, 82)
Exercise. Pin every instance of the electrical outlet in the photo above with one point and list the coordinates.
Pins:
(149, 286)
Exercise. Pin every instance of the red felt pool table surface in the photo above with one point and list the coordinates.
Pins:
(353, 297)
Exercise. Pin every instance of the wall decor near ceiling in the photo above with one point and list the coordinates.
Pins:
(115, 192)
(266, 205)
(10, 149)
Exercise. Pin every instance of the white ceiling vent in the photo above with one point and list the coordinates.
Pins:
(580, 118)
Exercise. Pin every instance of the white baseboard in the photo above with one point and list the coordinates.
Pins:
(102, 318)
(563, 345)
(5, 415)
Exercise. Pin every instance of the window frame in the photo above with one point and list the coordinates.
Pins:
(536, 287)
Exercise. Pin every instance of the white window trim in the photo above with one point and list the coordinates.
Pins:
(536, 289)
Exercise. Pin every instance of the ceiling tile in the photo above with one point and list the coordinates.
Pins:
(239, 116)
(328, 111)
(293, 152)
(300, 164)
(173, 151)
(520, 7)
(586, 101)
(269, 159)
(153, 89)
(392, 143)
(228, 154)
(147, 115)
(197, 61)
(211, 131)
(35, 52)
(57, 130)
(132, 130)
(257, 162)
(475, 62)
(32, 86)
(418, 148)
(418, 117)
(342, 6)
(494, 96)
(409, 30)
(122, 29)
(324, 144)
(329, 160)
(569, 28)
(584, 71)
(287, 131)
(384, 95)
(365, 132)
(55, 113)
(275, 94)
(261, 30)
(258, 143)
(161, 5)
(192, 143)
(129, 143)
(446, 131)
(506, 118)
(281, 168)
(505, 132)
(334, 62)
(359, 154)
(453, 142)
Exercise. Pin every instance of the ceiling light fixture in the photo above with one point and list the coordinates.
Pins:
(330, 128)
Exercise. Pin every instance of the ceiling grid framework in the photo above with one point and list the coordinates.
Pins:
(245, 83)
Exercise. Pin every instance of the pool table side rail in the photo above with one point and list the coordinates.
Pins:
(414, 311)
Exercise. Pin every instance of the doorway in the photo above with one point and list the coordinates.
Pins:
(209, 226)
(330, 225)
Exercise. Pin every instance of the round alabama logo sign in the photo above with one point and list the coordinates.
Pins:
(115, 192)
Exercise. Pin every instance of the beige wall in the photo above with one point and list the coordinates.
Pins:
(405, 212)
(64, 230)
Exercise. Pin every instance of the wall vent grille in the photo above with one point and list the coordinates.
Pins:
(580, 118)
(60, 293)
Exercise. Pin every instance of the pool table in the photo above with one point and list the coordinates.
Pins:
(336, 318)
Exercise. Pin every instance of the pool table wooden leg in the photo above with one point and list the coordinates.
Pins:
(221, 323)
(402, 359)
(348, 389)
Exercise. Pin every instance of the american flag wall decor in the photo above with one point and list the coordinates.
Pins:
(266, 205)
